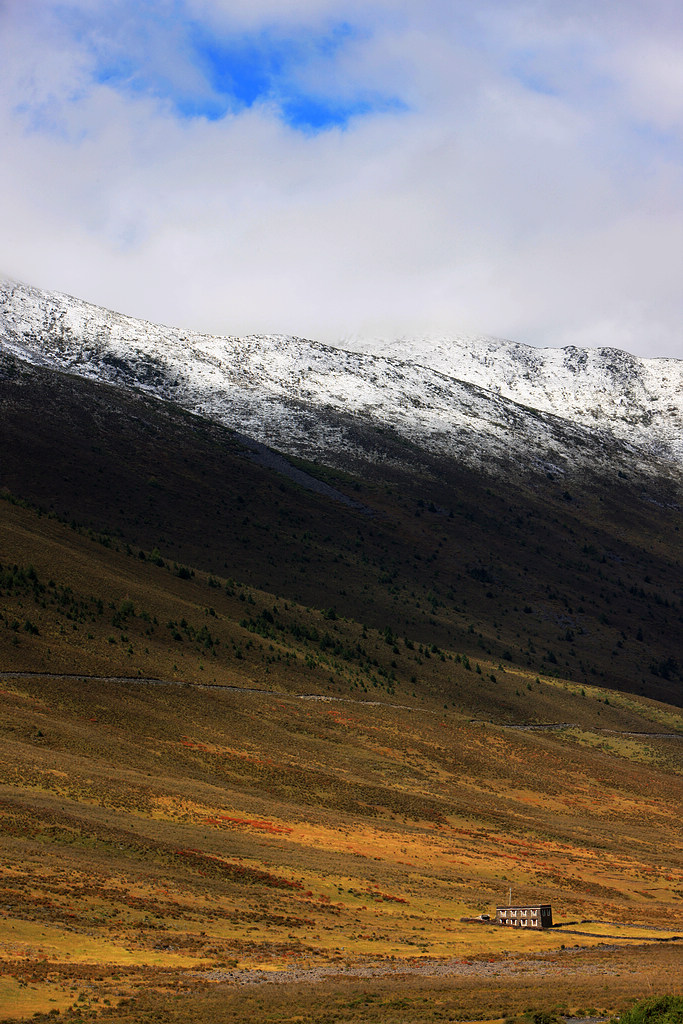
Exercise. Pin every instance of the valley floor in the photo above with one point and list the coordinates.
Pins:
(183, 846)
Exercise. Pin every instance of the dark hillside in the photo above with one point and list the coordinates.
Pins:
(583, 584)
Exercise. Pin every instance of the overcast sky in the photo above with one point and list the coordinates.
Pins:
(365, 167)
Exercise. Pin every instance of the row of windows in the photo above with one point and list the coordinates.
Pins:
(534, 911)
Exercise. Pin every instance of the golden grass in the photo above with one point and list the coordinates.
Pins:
(20, 999)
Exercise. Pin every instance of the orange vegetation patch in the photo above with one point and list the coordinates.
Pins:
(383, 897)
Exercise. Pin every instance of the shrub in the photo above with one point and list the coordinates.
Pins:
(656, 1010)
(155, 558)
(545, 1017)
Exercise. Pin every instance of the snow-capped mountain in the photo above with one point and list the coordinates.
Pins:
(495, 405)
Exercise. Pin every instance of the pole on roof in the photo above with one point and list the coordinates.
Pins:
(510, 897)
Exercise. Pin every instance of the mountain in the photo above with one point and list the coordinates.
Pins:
(497, 407)
(565, 573)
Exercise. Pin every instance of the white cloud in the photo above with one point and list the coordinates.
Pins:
(532, 188)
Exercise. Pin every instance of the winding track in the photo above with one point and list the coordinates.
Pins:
(150, 681)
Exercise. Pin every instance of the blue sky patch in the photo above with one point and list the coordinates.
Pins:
(292, 74)
(313, 115)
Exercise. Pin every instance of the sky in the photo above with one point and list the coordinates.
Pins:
(338, 168)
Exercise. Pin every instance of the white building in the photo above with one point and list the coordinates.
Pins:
(539, 916)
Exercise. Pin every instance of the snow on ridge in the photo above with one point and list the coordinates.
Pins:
(479, 400)
(639, 398)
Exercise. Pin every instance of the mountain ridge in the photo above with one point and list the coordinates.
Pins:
(288, 392)
(592, 376)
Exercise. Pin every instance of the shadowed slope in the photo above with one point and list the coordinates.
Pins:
(585, 583)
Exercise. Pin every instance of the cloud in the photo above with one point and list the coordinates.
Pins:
(326, 168)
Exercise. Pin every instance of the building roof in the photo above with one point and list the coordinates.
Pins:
(526, 906)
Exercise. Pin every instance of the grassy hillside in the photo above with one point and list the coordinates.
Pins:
(247, 728)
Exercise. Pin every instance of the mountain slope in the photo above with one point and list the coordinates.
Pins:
(585, 583)
(294, 395)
